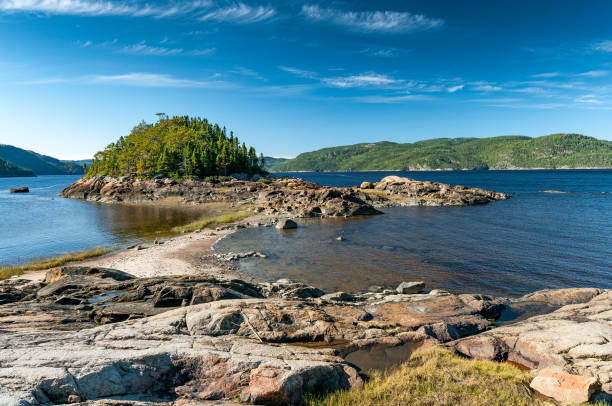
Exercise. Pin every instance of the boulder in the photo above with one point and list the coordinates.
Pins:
(576, 338)
(286, 224)
(366, 185)
(564, 387)
(20, 190)
(410, 287)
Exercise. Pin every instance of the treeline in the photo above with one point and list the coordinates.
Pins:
(509, 152)
(8, 170)
(177, 147)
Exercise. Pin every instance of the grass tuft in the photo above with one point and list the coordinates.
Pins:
(436, 376)
(8, 271)
(213, 221)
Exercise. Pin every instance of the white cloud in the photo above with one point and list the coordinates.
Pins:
(300, 72)
(242, 71)
(485, 87)
(362, 80)
(84, 44)
(100, 8)
(382, 52)
(594, 74)
(144, 49)
(240, 13)
(547, 75)
(589, 98)
(140, 79)
(372, 21)
(202, 52)
(136, 79)
(454, 89)
(603, 46)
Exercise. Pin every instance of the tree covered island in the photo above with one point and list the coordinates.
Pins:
(177, 147)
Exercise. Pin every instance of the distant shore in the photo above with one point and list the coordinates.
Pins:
(455, 170)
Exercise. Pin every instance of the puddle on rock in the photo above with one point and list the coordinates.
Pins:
(103, 297)
(380, 357)
(377, 357)
(519, 311)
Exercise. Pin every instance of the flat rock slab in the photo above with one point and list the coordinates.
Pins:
(157, 355)
(576, 338)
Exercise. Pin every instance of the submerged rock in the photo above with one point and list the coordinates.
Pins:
(410, 287)
(286, 224)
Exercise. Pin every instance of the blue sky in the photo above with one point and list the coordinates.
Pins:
(294, 76)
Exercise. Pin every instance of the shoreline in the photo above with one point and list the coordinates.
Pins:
(349, 334)
(456, 170)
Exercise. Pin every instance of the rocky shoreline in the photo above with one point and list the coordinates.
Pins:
(294, 197)
(180, 329)
(93, 334)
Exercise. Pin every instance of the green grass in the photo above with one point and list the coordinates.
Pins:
(436, 376)
(213, 221)
(8, 271)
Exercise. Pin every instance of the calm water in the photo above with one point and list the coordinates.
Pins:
(41, 224)
(533, 241)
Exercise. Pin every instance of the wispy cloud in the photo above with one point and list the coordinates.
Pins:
(242, 71)
(594, 74)
(240, 13)
(83, 44)
(372, 21)
(143, 49)
(135, 79)
(603, 46)
(589, 98)
(484, 86)
(101, 8)
(454, 89)
(204, 10)
(369, 79)
(201, 52)
(381, 52)
(300, 72)
(547, 75)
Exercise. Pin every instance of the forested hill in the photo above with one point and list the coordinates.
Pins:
(178, 147)
(37, 163)
(508, 152)
(8, 170)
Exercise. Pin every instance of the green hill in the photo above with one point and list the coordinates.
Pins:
(37, 163)
(508, 152)
(8, 170)
(179, 147)
(271, 161)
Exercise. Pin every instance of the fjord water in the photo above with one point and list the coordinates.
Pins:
(535, 240)
(41, 224)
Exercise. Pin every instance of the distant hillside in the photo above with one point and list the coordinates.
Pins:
(8, 170)
(271, 162)
(509, 152)
(39, 164)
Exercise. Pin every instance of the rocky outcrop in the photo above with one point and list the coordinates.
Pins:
(405, 191)
(86, 334)
(293, 197)
(24, 189)
(199, 338)
(576, 338)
